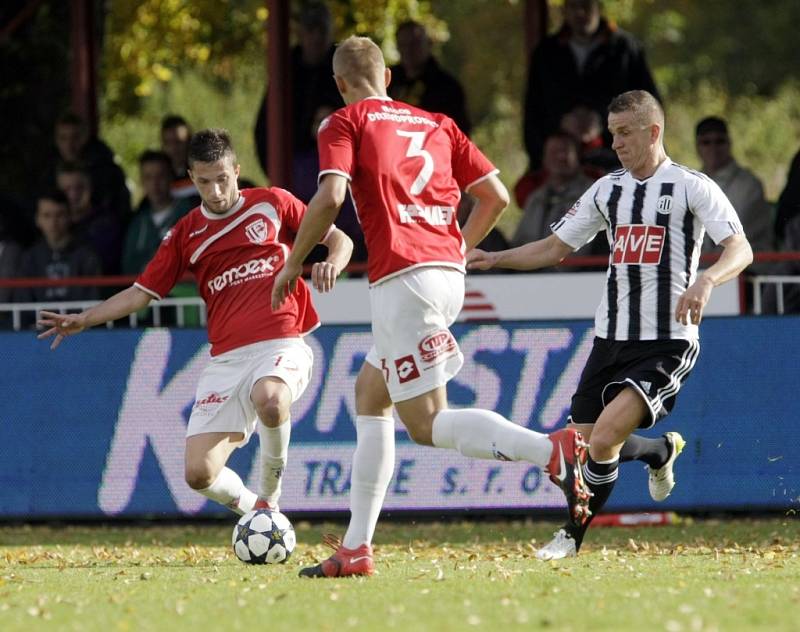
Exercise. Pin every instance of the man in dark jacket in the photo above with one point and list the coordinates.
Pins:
(57, 255)
(314, 96)
(419, 79)
(158, 211)
(588, 62)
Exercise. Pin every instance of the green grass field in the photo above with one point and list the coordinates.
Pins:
(701, 575)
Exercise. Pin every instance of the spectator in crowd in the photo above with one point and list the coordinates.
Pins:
(419, 79)
(586, 125)
(789, 202)
(73, 145)
(587, 62)
(314, 96)
(58, 254)
(565, 182)
(158, 211)
(103, 231)
(175, 135)
(596, 159)
(740, 185)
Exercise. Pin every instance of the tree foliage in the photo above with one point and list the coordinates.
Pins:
(734, 59)
(150, 41)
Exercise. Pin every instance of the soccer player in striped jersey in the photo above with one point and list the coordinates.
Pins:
(654, 213)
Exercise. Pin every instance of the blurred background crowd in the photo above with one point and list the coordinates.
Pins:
(78, 198)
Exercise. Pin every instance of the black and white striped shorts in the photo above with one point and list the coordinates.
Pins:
(655, 369)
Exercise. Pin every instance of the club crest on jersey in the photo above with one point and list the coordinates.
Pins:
(638, 244)
(406, 368)
(256, 231)
(664, 205)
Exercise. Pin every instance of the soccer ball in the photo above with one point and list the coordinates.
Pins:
(263, 537)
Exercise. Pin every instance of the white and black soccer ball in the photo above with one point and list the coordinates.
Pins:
(263, 536)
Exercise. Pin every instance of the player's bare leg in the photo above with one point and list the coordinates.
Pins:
(373, 465)
(206, 455)
(272, 398)
(618, 420)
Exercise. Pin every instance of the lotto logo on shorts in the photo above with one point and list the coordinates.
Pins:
(438, 343)
(406, 369)
(638, 243)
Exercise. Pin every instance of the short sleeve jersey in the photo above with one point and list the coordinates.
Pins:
(234, 257)
(406, 168)
(655, 228)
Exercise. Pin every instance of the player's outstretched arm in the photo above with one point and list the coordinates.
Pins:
(59, 326)
(736, 256)
(324, 273)
(537, 254)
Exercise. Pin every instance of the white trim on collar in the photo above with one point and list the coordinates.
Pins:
(233, 209)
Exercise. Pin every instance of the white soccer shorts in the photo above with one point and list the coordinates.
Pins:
(222, 400)
(412, 343)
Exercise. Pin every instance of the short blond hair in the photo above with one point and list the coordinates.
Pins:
(645, 107)
(358, 60)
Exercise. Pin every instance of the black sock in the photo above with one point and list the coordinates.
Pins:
(654, 452)
(600, 478)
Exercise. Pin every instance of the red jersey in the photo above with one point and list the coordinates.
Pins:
(406, 169)
(234, 257)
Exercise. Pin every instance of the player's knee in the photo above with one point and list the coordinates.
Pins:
(198, 476)
(271, 409)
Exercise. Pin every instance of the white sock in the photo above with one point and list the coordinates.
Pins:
(274, 449)
(373, 466)
(486, 435)
(229, 490)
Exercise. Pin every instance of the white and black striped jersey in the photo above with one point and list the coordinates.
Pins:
(655, 228)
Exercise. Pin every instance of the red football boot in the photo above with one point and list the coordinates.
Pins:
(344, 562)
(565, 468)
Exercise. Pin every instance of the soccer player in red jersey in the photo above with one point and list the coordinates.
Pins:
(233, 243)
(406, 169)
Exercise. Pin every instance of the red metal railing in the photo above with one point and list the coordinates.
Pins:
(354, 268)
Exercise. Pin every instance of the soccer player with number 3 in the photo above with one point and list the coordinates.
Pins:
(406, 169)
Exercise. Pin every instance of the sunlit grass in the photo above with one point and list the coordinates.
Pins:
(709, 575)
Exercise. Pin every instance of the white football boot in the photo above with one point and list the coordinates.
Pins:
(561, 546)
(662, 480)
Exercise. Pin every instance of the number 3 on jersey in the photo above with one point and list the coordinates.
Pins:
(415, 149)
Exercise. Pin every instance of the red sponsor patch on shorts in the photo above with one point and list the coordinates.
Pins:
(212, 399)
(438, 343)
(406, 368)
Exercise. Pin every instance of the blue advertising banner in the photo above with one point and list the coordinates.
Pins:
(96, 428)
